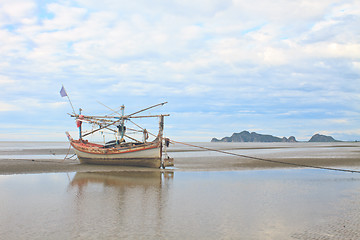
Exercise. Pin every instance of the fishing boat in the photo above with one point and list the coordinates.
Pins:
(123, 149)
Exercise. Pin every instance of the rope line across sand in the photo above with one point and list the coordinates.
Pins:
(267, 160)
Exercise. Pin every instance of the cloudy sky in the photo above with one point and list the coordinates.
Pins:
(274, 67)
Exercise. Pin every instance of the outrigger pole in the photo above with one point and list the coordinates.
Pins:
(160, 104)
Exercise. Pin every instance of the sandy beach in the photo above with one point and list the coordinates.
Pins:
(342, 155)
(24, 166)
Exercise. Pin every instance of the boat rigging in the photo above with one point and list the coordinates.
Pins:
(124, 149)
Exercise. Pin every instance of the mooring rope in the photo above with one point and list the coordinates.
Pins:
(68, 154)
(266, 160)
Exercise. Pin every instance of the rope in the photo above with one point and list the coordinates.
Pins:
(68, 154)
(268, 160)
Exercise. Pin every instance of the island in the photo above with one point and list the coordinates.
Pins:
(246, 136)
(322, 138)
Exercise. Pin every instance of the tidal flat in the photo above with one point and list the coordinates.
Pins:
(207, 195)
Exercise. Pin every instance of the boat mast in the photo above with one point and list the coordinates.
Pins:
(161, 127)
(80, 123)
(122, 125)
(160, 136)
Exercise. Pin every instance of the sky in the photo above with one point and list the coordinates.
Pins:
(285, 68)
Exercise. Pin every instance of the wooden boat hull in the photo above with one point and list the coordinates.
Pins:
(146, 156)
(121, 159)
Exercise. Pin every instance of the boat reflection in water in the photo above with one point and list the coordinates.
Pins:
(123, 178)
(126, 203)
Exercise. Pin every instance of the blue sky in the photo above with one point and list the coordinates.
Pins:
(275, 67)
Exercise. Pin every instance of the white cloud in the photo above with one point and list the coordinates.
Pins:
(274, 56)
(340, 132)
(6, 107)
(16, 11)
(29, 104)
(64, 17)
(191, 32)
(356, 66)
(339, 121)
(240, 55)
(333, 50)
(345, 8)
(283, 11)
(5, 80)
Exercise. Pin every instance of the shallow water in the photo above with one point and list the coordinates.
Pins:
(265, 204)
(18, 146)
(34, 150)
(206, 196)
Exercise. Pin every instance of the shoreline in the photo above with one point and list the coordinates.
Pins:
(33, 158)
(36, 166)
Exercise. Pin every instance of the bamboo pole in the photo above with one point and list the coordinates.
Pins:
(142, 128)
(100, 118)
(132, 138)
(149, 116)
(114, 111)
(160, 104)
(101, 128)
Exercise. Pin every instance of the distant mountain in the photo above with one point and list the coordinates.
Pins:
(322, 138)
(245, 136)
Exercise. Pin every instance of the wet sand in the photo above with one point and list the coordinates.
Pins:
(343, 155)
(207, 195)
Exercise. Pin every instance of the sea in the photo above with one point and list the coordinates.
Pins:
(201, 197)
